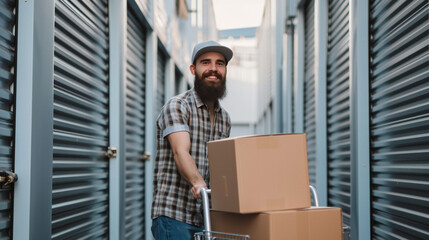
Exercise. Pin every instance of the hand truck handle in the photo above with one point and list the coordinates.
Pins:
(206, 208)
(316, 199)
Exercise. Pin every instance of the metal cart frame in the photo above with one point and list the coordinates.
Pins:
(208, 234)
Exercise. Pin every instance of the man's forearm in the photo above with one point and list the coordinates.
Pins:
(180, 145)
(187, 168)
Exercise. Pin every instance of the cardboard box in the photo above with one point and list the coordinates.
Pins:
(259, 173)
(303, 224)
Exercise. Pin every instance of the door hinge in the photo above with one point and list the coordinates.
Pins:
(111, 152)
(7, 177)
(146, 156)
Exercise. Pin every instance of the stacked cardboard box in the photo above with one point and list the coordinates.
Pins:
(260, 187)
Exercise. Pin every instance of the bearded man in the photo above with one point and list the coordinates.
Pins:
(184, 126)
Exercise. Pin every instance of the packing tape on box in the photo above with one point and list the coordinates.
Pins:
(225, 186)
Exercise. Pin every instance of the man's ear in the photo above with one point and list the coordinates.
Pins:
(192, 68)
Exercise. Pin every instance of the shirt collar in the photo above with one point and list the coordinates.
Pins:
(200, 102)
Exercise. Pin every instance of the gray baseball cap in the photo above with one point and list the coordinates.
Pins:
(211, 46)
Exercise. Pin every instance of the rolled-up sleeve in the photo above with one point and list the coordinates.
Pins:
(173, 117)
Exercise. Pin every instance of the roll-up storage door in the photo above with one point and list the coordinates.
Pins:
(338, 107)
(309, 87)
(81, 131)
(178, 81)
(135, 128)
(7, 101)
(160, 86)
(399, 75)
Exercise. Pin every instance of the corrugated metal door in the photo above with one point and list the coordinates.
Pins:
(399, 69)
(338, 107)
(135, 128)
(81, 130)
(160, 86)
(309, 87)
(177, 81)
(7, 101)
(146, 8)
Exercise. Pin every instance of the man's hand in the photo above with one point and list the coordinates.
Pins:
(180, 144)
(196, 189)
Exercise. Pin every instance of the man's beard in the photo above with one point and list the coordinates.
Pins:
(208, 92)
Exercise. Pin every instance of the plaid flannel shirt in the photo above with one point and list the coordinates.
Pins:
(171, 193)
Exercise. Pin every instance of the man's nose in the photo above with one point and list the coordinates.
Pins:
(213, 66)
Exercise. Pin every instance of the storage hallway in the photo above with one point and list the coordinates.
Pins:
(82, 83)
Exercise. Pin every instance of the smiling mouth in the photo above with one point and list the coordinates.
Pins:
(212, 78)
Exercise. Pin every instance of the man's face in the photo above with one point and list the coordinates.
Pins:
(210, 76)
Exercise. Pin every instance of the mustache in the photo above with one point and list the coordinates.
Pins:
(211, 73)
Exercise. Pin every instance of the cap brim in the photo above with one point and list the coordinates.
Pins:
(225, 51)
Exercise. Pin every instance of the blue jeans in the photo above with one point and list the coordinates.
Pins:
(165, 228)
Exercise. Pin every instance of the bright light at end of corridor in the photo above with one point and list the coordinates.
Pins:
(231, 14)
